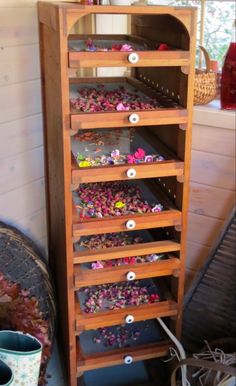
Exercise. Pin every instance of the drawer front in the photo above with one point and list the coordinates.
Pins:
(128, 59)
(128, 119)
(127, 223)
(139, 249)
(127, 172)
(89, 277)
(121, 356)
(110, 318)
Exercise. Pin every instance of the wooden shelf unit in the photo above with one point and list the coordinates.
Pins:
(167, 76)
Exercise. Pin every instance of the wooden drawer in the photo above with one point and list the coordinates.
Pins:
(120, 118)
(144, 54)
(87, 277)
(95, 144)
(151, 342)
(169, 112)
(150, 192)
(166, 218)
(109, 318)
(121, 172)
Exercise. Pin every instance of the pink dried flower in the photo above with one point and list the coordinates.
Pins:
(97, 265)
(126, 47)
(130, 159)
(139, 154)
(121, 107)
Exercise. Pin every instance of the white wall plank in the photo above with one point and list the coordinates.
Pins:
(213, 139)
(19, 64)
(213, 169)
(22, 3)
(21, 135)
(17, 28)
(21, 169)
(202, 229)
(33, 226)
(210, 201)
(196, 255)
(21, 202)
(189, 277)
(20, 100)
(42, 244)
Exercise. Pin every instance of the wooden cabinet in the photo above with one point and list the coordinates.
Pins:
(84, 193)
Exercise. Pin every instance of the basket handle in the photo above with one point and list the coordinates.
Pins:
(216, 366)
(207, 58)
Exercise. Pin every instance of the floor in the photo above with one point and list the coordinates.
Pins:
(54, 371)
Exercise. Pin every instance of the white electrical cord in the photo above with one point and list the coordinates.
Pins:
(180, 348)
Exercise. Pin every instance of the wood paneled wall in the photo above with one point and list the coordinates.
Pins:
(212, 193)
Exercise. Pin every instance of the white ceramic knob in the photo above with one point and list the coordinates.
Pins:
(131, 173)
(130, 224)
(134, 118)
(133, 58)
(130, 276)
(129, 319)
(128, 359)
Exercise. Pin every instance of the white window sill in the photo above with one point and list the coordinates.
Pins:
(212, 115)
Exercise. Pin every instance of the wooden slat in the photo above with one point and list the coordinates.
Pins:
(87, 277)
(19, 27)
(210, 201)
(116, 357)
(215, 140)
(196, 255)
(202, 229)
(23, 3)
(19, 64)
(25, 167)
(34, 225)
(126, 251)
(21, 136)
(213, 169)
(108, 318)
(152, 220)
(23, 201)
(20, 100)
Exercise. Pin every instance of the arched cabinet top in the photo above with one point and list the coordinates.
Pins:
(179, 19)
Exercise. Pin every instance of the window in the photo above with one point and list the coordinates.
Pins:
(215, 25)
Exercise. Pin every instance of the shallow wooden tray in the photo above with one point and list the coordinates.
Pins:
(170, 166)
(167, 306)
(145, 52)
(170, 113)
(151, 344)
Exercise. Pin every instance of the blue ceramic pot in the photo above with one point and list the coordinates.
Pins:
(22, 354)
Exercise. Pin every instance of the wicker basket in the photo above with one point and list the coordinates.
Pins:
(205, 82)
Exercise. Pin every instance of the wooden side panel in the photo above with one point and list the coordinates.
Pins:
(57, 154)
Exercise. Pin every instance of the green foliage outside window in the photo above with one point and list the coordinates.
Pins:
(217, 25)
